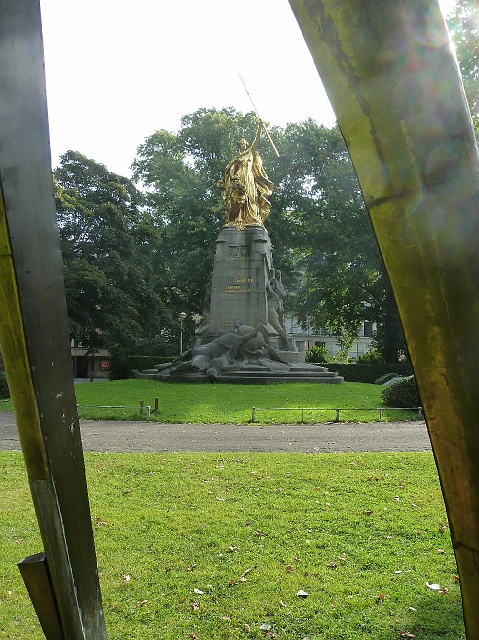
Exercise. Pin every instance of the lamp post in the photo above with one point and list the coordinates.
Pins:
(182, 316)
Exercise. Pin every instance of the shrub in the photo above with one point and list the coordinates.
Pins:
(402, 393)
(4, 391)
(139, 363)
(317, 354)
(369, 372)
(387, 376)
(370, 357)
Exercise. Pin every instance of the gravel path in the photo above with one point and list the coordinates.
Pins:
(127, 437)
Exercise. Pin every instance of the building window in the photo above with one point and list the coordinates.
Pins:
(368, 329)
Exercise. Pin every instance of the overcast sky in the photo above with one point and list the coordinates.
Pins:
(118, 70)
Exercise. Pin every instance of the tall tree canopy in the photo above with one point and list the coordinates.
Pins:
(110, 246)
(319, 227)
(464, 27)
(179, 173)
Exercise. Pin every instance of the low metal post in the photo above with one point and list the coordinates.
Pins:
(253, 414)
(148, 413)
(337, 415)
(302, 416)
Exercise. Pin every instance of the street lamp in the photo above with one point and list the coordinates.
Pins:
(182, 316)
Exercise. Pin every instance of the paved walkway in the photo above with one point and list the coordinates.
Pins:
(108, 435)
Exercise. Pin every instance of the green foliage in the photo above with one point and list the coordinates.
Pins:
(371, 356)
(4, 390)
(402, 393)
(464, 27)
(138, 363)
(115, 293)
(318, 354)
(386, 377)
(180, 172)
(369, 372)
(168, 524)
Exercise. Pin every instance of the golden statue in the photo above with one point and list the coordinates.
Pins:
(246, 186)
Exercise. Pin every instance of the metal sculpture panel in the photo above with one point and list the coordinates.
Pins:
(33, 328)
(395, 87)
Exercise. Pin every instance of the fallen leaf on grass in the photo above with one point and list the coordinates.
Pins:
(198, 591)
(195, 606)
(380, 597)
(142, 603)
(126, 578)
(281, 604)
(332, 565)
(192, 567)
(433, 586)
(406, 634)
(242, 577)
(232, 548)
(100, 522)
(302, 594)
(289, 569)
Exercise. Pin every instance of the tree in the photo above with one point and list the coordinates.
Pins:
(322, 239)
(109, 244)
(464, 27)
(343, 277)
(180, 173)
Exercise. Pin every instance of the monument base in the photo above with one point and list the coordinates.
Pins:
(242, 339)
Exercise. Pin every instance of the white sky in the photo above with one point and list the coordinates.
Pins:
(118, 70)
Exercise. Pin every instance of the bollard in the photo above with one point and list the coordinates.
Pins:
(253, 414)
(337, 415)
(148, 413)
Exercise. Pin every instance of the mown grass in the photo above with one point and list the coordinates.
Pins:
(232, 403)
(360, 533)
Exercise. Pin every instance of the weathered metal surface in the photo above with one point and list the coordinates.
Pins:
(34, 571)
(33, 325)
(393, 82)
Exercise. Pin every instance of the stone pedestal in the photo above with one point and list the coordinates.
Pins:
(244, 291)
(239, 284)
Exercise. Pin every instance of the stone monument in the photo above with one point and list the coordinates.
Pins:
(242, 337)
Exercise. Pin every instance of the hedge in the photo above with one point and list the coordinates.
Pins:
(4, 391)
(139, 363)
(369, 372)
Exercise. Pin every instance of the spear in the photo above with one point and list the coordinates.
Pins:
(242, 80)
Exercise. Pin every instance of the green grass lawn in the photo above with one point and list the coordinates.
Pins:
(217, 546)
(232, 403)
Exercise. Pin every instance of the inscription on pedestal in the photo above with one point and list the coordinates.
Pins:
(236, 288)
(238, 251)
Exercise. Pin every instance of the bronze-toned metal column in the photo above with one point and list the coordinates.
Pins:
(393, 82)
(34, 335)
